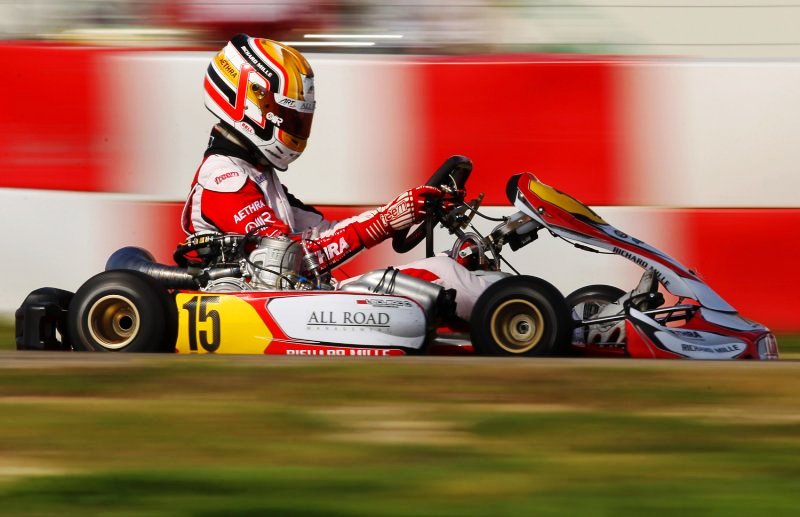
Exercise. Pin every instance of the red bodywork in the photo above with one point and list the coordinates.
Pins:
(729, 336)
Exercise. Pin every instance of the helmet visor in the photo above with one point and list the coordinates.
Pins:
(290, 115)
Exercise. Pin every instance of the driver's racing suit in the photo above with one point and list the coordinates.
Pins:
(231, 194)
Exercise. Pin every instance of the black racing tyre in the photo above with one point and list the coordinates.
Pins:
(122, 311)
(586, 302)
(521, 315)
(592, 298)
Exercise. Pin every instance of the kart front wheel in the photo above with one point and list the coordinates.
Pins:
(585, 303)
(521, 315)
(122, 311)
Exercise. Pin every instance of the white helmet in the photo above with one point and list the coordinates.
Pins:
(264, 91)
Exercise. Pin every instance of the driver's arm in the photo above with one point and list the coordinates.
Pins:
(342, 239)
(405, 210)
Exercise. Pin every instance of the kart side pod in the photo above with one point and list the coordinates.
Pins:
(436, 301)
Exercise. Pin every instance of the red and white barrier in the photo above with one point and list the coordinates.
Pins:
(98, 148)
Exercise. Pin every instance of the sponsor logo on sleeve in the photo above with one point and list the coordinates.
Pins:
(222, 177)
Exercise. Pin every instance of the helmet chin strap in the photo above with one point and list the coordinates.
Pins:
(231, 137)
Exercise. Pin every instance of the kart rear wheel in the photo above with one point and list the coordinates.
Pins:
(521, 315)
(585, 303)
(122, 311)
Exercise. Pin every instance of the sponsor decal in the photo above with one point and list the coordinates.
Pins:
(718, 350)
(639, 261)
(253, 59)
(227, 66)
(222, 177)
(334, 249)
(261, 221)
(341, 352)
(398, 209)
(247, 128)
(307, 106)
(391, 303)
(338, 318)
(274, 119)
(636, 259)
(687, 334)
(698, 344)
(371, 320)
(249, 210)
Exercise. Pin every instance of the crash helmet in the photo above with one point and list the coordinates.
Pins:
(264, 91)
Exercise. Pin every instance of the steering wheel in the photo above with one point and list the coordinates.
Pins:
(452, 173)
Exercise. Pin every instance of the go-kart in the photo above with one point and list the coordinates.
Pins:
(248, 294)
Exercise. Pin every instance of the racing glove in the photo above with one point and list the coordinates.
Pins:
(404, 211)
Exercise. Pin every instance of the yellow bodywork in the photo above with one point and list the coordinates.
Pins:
(563, 201)
(219, 323)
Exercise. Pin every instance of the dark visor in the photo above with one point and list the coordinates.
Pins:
(290, 115)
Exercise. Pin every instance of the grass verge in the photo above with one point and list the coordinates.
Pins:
(135, 435)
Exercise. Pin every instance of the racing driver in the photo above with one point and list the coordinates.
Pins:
(263, 94)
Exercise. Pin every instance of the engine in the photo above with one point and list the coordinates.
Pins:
(275, 263)
(229, 262)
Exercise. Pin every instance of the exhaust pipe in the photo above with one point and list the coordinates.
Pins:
(138, 259)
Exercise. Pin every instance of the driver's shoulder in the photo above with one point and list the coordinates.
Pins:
(223, 173)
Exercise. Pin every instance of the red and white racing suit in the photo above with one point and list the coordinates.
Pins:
(232, 195)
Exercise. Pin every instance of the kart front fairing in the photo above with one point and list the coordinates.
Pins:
(712, 329)
(569, 218)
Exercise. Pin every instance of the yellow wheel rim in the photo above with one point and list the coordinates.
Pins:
(113, 322)
(517, 326)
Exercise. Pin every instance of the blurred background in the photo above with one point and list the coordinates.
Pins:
(705, 28)
(677, 121)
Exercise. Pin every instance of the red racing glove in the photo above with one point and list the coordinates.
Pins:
(404, 211)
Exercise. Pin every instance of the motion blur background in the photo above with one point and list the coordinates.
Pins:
(676, 120)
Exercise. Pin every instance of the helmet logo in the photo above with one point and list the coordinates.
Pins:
(274, 119)
(237, 110)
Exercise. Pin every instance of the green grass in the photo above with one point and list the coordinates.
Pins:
(143, 435)
(7, 341)
(140, 435)
(789, 346)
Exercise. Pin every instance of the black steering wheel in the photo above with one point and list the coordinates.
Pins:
(453, 173)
